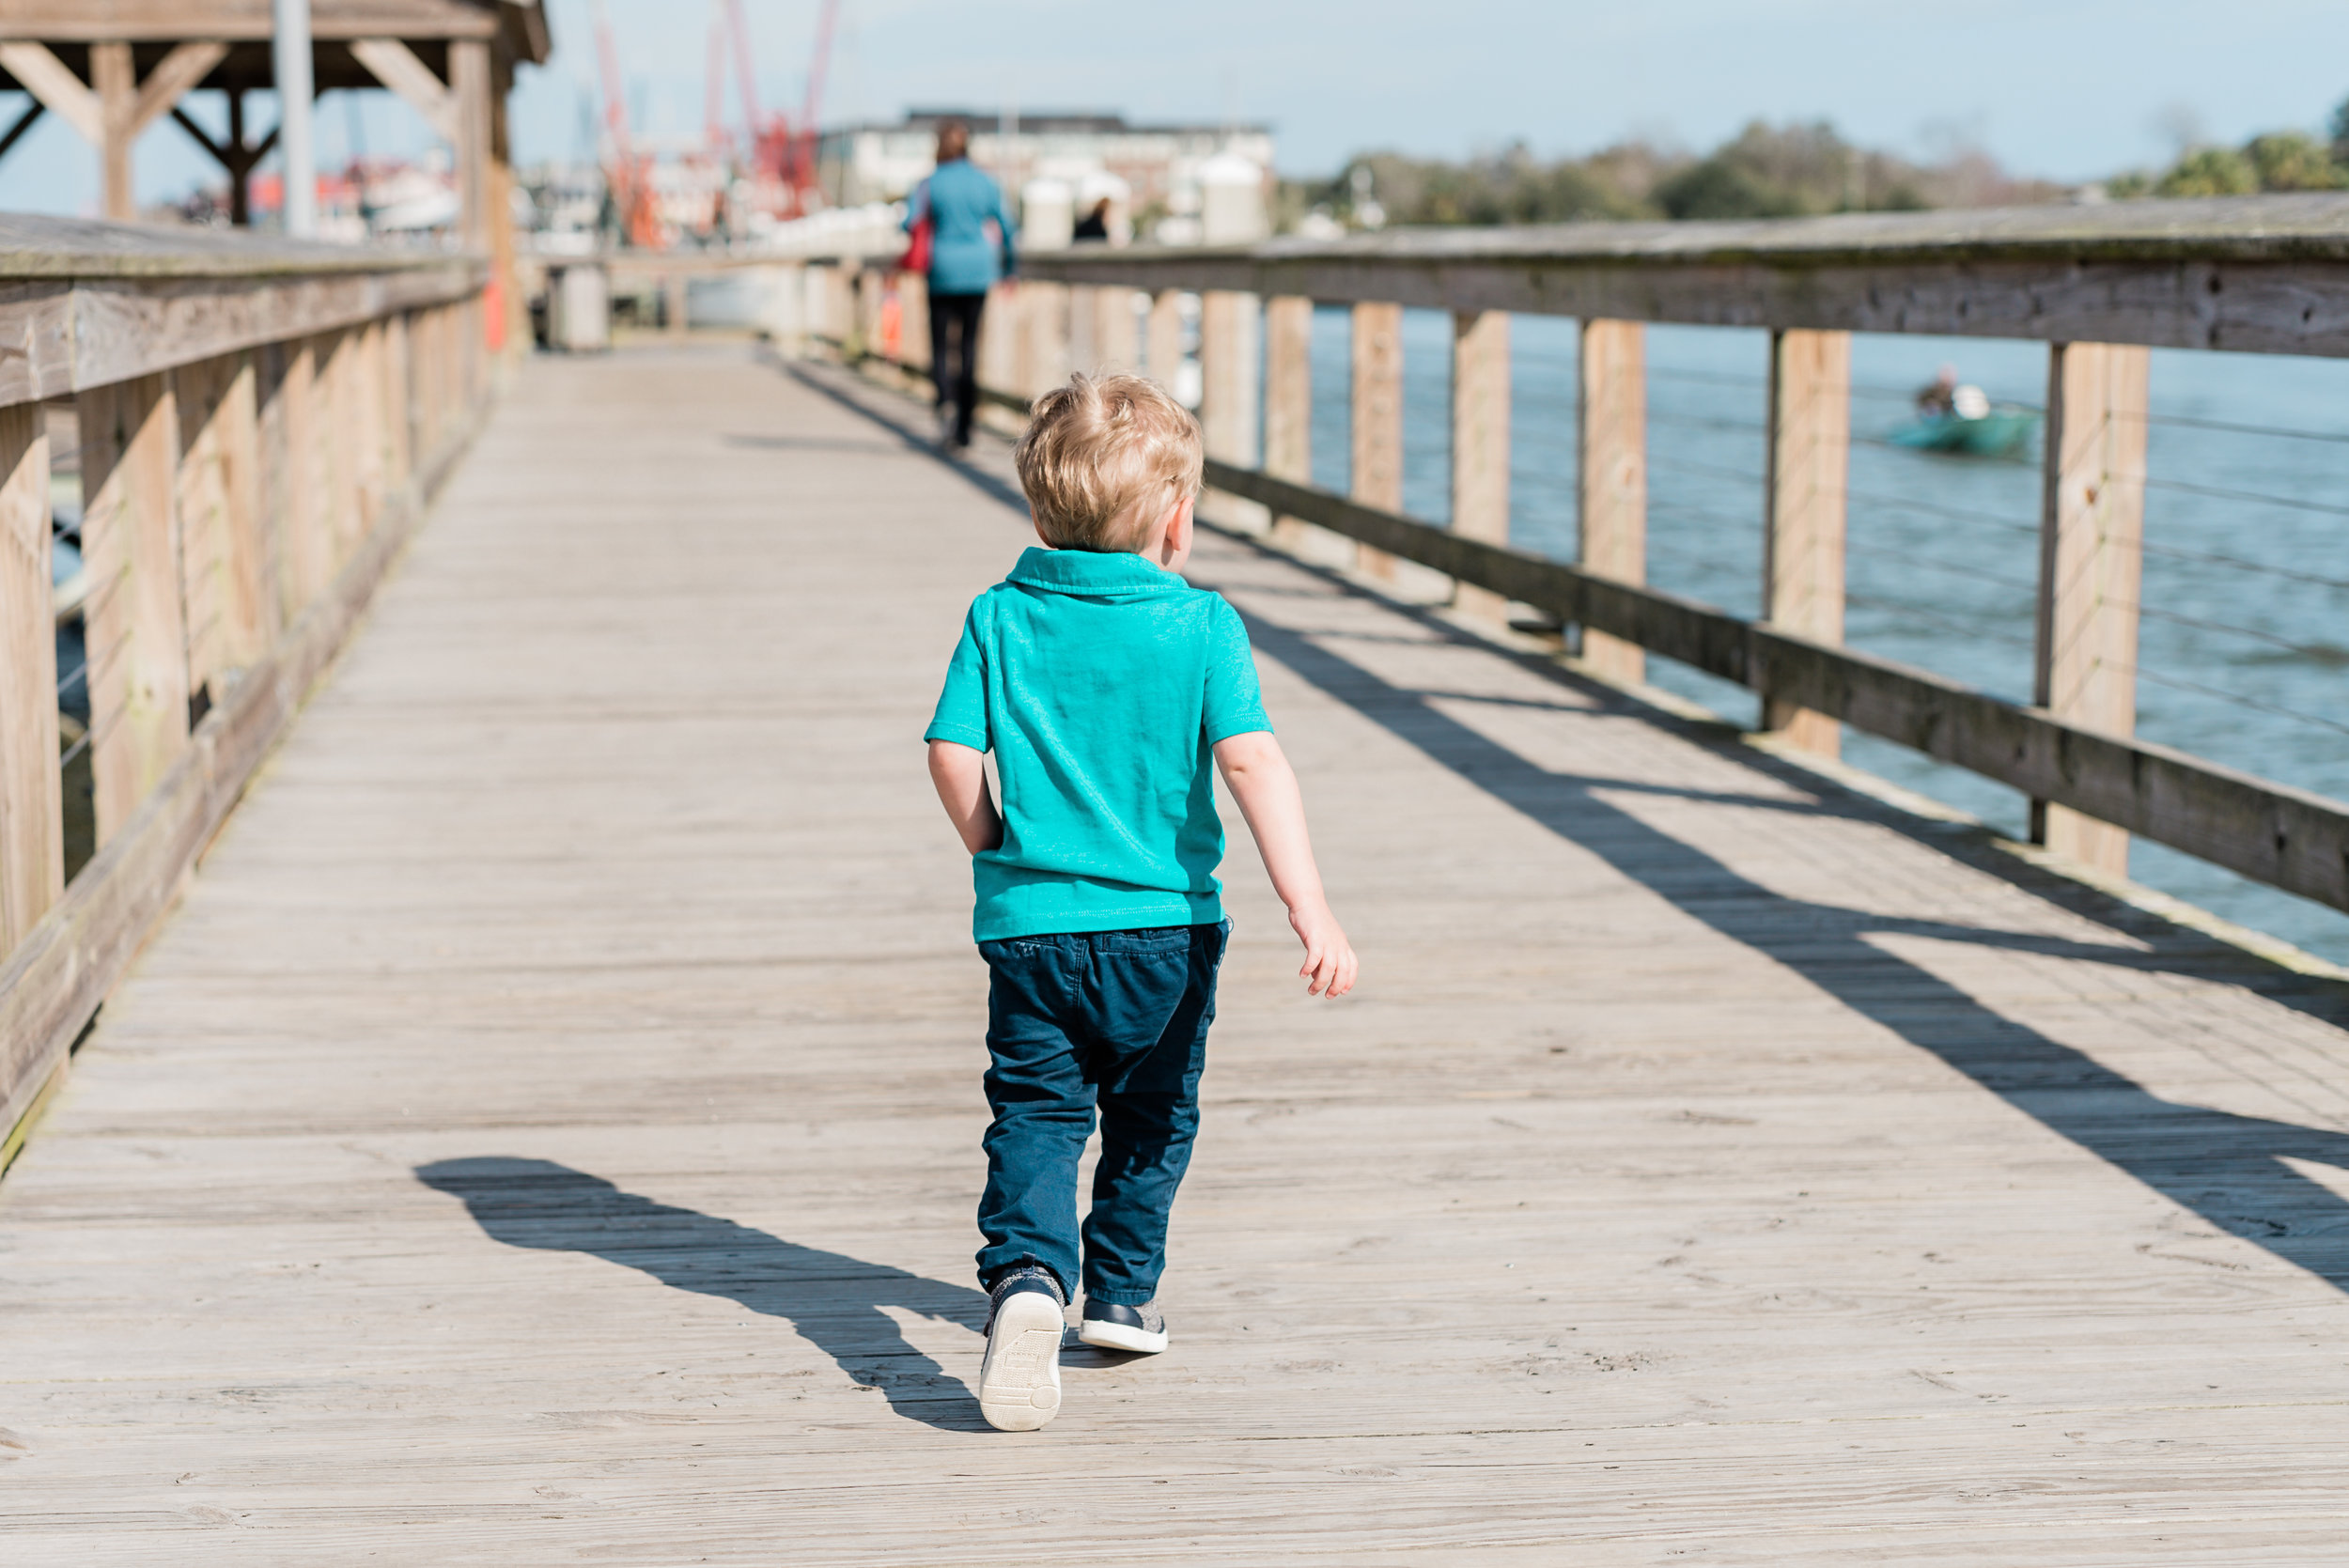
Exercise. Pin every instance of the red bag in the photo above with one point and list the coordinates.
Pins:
(917, 257)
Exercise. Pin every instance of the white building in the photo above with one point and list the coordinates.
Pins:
(1157, 176)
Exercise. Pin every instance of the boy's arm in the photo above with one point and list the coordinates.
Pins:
(1263, 783)
(960, 775)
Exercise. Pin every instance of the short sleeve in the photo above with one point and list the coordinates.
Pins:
(1234, 704)
(961, 713)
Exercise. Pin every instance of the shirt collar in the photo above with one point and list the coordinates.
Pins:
(1091, 572)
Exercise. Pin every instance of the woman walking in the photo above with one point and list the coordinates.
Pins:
(958, 202)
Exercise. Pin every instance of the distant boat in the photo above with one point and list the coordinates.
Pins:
(1989, 435)
(1967, 423)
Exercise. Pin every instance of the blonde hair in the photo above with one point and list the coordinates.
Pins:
(1103, 457)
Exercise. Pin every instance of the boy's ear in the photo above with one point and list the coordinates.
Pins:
(1178, 523)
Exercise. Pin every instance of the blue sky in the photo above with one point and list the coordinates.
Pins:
(2068, 90)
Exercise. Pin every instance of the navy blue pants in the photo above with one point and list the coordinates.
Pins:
(1116, 1020)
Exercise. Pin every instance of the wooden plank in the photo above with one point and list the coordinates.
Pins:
(1288, 399)
(2288, 838)
(400, 418)
(1044, 317)
(306, 537)
(1376, 433)
(1803, 495)
(1612, 476)
(32, 846)
(227, 608)
(136, 634)
(2090, 562)
(1481, 407)
(1116, 329)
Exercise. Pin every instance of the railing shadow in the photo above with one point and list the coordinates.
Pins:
(2226, 1168)
(832, 1300)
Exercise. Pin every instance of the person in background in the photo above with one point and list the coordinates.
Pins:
(1094, 225)
(960, 202)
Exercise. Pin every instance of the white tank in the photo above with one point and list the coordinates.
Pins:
(1048, 215)
(1231, 208)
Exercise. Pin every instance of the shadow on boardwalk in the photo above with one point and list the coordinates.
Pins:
(832, 1300)
(2226, 1168)
(2231, 1170)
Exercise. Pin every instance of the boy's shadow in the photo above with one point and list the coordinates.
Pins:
(829, 1299)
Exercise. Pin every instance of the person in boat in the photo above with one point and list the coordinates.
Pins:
(1939, 399)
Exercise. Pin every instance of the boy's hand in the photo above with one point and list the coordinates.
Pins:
(1330, 962)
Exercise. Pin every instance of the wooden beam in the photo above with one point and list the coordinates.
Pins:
(469, 86)
(1288, 399)
(50, 80)
(136, 634)
(2288, 838)
(32, 813)
(395, 65)
(23, 123)
(114, 80)
(1612, 476)
(244, 20)
(1802, 537)
(1480, 445)
(1376, 476)
(2091, 557)
(174, 76)
(1116, 331)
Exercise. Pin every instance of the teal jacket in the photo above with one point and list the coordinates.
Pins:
(959, 201)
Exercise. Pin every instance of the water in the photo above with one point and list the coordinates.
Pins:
(2244, 643)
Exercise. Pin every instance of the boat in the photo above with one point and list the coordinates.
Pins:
(1971, 424)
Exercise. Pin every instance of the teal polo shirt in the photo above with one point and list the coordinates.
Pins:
(1099, 682)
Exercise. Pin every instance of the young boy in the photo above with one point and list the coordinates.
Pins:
(1102, 682)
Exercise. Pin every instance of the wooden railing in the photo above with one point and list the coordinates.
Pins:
(2099, 284)
(255, 427)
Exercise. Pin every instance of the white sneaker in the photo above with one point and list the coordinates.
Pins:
(1109, 1327)
(1019, 1381)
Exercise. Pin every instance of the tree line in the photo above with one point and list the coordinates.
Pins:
(1769, 171)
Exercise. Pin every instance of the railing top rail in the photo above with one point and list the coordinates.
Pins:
(2292, 227)
(37, 247)
(2259, 274)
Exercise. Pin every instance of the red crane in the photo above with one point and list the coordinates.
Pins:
(780, 159)
(631, 190)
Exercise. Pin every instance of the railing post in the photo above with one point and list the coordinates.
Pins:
(1612, 475)
(1288, 400)
(1001, 335)
(913, 319)
(2090, 558)
(399, 398)
(1045, 307)
(1802, 537)
(305, 550)
(675, 305)
(1117, 335)
(1166, 338)
(1085, 318)
(136, 631)
(32, 806)
(1228, 385)
(1376, 479)
(1480, 445)
(229, 624)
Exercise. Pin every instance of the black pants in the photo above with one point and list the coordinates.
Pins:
(955, 356)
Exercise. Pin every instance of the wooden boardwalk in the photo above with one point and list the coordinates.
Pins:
(548, 1131)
